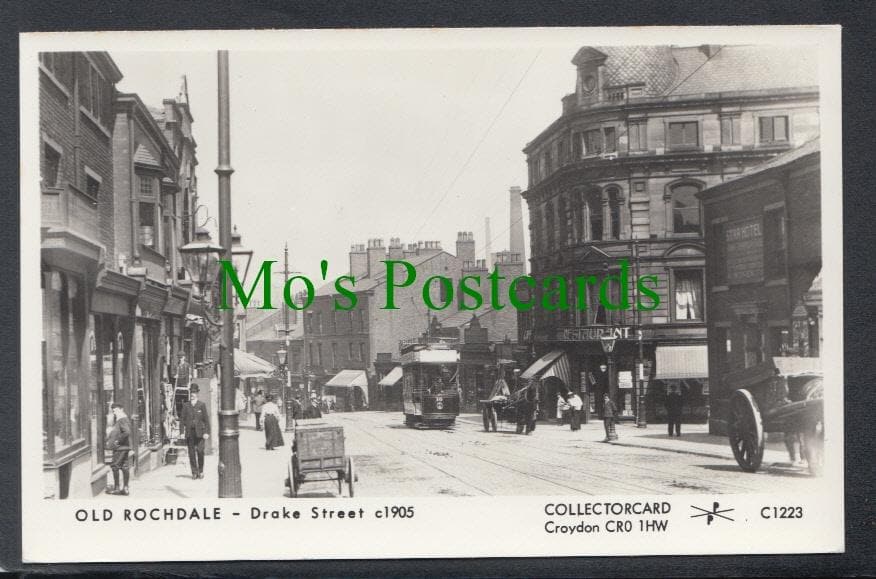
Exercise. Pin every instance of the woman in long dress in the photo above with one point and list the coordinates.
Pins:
(271, 419)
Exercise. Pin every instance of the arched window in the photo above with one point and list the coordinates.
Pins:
(685, 208)
(594, 214)
(614, 206)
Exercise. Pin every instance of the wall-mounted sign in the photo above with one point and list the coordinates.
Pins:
(593, 333)
(625, 379)
(744, 250)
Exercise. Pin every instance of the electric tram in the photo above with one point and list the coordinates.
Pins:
(430, 385)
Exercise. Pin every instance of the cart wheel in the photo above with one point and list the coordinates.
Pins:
(351, 475)
(485, 413)
(341, 477)
(746, 431)
(294, 483)
(493, 418)
(813, 448)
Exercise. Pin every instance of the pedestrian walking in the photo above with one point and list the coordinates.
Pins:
(524, 409)
(196, 422)
(575, 405)
(532, 416)
(271, 415)
(609, 416)
(257, 403)
(313, 410)
(297, 409)
(674, 403)
(119, 441)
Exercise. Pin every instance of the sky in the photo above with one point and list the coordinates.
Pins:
(336, 146)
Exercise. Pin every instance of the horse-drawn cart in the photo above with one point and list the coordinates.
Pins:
(777, 396)
(318, 455)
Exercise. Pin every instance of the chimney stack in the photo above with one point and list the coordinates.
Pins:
(396, 251)
(409, 251)
(488, 245)
(517, 244)
(465, 246)
(358, 261)
(376, 254)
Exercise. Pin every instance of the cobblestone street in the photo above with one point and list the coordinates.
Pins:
(396, 461)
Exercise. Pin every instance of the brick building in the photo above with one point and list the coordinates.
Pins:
(112, 309)
(616, 177)
(764, 271)
(367, 339)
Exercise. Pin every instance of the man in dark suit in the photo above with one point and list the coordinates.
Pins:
(196, 422)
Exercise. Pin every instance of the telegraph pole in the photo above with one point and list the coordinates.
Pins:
(287, 391)
(229, 449)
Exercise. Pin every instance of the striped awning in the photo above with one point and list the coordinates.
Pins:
(677, 362)
(553, 363)
(392, 378)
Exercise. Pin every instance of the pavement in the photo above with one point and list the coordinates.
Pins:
(393, 460)
(694, 440)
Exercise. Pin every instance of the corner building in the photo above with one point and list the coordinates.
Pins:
(616, 176)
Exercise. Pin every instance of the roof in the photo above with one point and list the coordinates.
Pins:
(808, 148)
(364, 284)
(144, 156)
(744, 67)
(652, 65)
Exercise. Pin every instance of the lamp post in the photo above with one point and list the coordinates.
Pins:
(608, 343)
(229, 449)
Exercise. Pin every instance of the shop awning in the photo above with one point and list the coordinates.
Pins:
(677, 362)
(392, 378)
(248, 365)
(553, 363)
(350, 379)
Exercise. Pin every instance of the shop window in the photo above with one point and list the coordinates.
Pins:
(684, 135)
(773, 129)
(730, 131)
(775, 245)
(593, 142)
(51, 165)
(685, 209)
(63, 333)
(688, 295)
(638, 136)
(752, 346)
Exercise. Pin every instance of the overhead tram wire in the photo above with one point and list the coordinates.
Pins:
(622, 133)
(478, 145)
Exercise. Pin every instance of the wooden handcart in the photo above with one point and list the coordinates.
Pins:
(318, 455)
(769, 400)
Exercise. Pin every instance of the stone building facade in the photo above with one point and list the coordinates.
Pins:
(616, 177)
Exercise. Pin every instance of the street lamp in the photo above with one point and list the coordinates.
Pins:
(608, 343)
(201, 260)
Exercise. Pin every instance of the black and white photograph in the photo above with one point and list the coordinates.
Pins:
(571, 284)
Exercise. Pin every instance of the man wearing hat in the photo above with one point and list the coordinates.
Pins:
(119, 441)
(196, 422)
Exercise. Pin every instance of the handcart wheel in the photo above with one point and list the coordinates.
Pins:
(485, 413)
(493, 418)
(294, 483)
(746, 431)
(351, 475)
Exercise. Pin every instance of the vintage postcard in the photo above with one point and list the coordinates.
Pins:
(431, 293)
